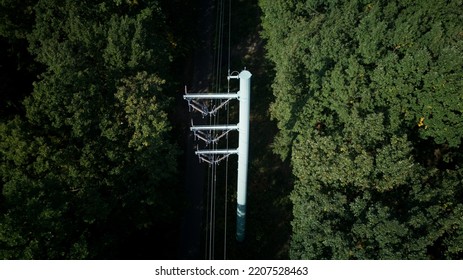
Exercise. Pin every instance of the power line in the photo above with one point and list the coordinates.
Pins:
(227, 142)
(214, 119)
(210, 108)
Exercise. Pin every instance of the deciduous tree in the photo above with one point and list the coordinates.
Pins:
(369, 105)
(91, 167)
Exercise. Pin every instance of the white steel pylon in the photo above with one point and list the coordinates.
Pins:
(204, 133)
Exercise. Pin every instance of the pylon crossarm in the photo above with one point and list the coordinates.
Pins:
(212, 159)
(203, 109)
(204, 132)
(207, 137)
(211, 96)
(214, 127)
(217, 152)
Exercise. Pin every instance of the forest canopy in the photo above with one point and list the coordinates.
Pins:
(367, 100)
(369, 105)
(88, 164)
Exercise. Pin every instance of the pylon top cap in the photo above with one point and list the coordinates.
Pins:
(245, 74)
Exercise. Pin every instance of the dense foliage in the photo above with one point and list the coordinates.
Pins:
(88, 171)
(369, 104)
(367, 98)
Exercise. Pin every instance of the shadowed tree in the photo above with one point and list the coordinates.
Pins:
(369, 105)
(89, 172)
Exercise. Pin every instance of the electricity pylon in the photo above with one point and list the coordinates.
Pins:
(214, 156)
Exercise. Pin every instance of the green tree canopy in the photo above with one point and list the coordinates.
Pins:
(369, 103)
(91, 166)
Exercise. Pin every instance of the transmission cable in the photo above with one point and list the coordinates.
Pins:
(227, 142)
(214, 120)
